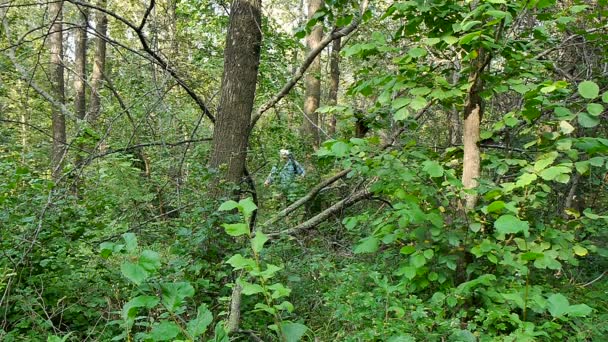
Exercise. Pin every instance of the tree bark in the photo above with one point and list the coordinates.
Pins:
(473, 112)
(101, 26)
(334, 65)
(241, 61)
(310, 125)
(57, 87)
(80, 63)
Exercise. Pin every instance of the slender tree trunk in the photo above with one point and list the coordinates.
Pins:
(241, 61)
(80, 66)
(101, 26)
(310, 126)
(473, 112)
(57, 87)
(334, 65)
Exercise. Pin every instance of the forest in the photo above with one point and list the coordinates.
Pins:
(303, 170)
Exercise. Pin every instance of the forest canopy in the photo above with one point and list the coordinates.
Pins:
(313, 170)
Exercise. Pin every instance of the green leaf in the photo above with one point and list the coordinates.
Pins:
(258, 241)
(106, 249)
(149, 260)
(595, 109)
(566, 127)
(558, 305)
(174, 294)
(408, 271)
(579, 310)
(580, 250)
(450, 40)
(428, 254)
(402, 114)
(582, 166)
(164, 331)
(407, 250)
(417, 52)
(525, 179)
(228, 205)
(238, 262)
(420, 91)
(509, 224)
(134, 272)
(563, 113)
(545, 160)
(605, 97)
(130, 242)
(198, 326)
(433, 168)
(418, 103)
(400, 102)
(236, 229)
(367, 245)
(279, 290)
(417, 260)
(588, 89)
(247, 206)
(553, 172)
(250, 289)
(496, 206)
(293, 332)
(129, 310)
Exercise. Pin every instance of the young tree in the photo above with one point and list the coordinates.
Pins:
(334, 83)
(57, 86)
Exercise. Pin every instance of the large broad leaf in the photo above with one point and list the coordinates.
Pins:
(588, 89)
(129, 310)
(509, 224)
(174, 294)
(367, 245)
(164, 331)
(134, 272)
(130, 241)
(258, 241)
(588, 121)
(249, 289)
(149, 260)
(198, 326)
(558, 305)
(595, 109)
(238, 262)
(293, 332)
(417, 260)
(228, 205)
(554, 172)
(579, 310)
(433, 168)
(247, 206)
(236, 229)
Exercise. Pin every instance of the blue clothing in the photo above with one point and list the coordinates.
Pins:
(287, 174)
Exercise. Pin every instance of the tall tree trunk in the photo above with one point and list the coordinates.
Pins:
(101, 26)
(310, 126)
(57, 87)
(334, 65)
(473, 112)
(80, 66)
(241, 61)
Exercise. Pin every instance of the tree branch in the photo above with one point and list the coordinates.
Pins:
(335, 34)
(322, 216)
(146, 47)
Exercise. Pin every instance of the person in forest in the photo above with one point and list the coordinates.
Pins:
(287, 174)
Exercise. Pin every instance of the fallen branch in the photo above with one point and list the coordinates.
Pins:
(322, 216)
(309, 196)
